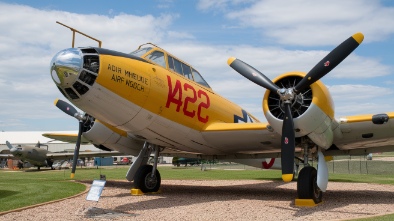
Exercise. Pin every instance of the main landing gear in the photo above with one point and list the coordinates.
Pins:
(146, 177)
(308, 185)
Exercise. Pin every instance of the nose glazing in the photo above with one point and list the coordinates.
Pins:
(65, 67)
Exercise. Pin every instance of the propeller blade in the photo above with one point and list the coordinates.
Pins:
(329, 62)
(9, 145)
(66, 107)
(252, 74)
(76, 150)
(287, 145)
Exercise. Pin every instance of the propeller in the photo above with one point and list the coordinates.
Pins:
(70, 110)
(287, 95)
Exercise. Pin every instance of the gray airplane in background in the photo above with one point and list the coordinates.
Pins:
(40, 157)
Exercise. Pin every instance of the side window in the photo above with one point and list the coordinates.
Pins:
(157, 57)
(198, 79)
(171, 63)
(178, 67)
(187, 71)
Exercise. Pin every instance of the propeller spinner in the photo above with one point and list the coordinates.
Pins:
(287, 95)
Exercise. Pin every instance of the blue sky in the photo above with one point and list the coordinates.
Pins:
(272, 36)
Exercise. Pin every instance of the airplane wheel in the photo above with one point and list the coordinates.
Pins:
(306, 185)
(144, 181)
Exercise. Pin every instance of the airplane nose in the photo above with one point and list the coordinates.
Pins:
(65, 67)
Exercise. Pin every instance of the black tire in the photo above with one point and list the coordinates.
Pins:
(306, 185)
(144, 181)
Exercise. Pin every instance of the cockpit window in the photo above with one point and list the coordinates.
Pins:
(187, 71)
(141, 51)
(171, 63)
(179, 67)
(157, 57)
(198, 78)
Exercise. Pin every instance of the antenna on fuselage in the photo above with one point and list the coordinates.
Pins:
(75, 30)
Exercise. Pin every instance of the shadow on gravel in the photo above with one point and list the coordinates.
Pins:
(266, 192)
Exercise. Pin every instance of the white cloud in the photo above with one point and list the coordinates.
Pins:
(361, 99)
(33, 37)
(307, 22)
(211, 61)
(357, 93)
(179, 35)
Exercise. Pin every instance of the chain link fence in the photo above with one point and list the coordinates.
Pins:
(361, 165)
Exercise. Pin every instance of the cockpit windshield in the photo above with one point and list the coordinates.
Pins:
(160, 57)
(141, 51)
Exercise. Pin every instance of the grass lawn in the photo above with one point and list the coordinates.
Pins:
(19, 189)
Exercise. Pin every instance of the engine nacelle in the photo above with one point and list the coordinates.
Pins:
(112, 138)
(312, 110)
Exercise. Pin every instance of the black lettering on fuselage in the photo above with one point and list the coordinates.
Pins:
(114, 68)
(136, 77)
(134, 85)
(117, 78)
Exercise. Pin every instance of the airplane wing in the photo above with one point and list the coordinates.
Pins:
(234, 137)
(355, 135)
(364, 134)
(57, 156)
(70, 138)
(7, 156)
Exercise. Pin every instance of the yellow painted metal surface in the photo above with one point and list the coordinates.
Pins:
(165, 93)
(364, 117)
(287, 177)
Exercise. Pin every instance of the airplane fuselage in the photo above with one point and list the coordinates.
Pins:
(147, 100)
(33, 155)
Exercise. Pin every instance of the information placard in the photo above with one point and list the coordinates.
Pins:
(95, 190)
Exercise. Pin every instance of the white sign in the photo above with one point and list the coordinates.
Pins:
(95, 190)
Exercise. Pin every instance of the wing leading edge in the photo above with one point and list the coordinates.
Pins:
(365, 134)
(243, 138)
(69, 138)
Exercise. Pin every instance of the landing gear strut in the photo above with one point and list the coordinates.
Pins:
(146, 177)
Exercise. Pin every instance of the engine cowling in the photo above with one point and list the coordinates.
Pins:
(103, 135)
(312, 110)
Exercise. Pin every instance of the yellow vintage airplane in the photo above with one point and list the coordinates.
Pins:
(149, 101)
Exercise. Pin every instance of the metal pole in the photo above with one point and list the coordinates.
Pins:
(73, 39)
(74, 30)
